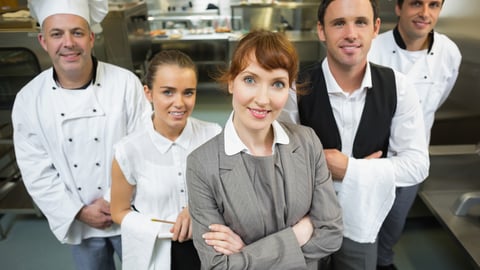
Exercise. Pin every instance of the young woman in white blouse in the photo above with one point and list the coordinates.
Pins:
(149, 192)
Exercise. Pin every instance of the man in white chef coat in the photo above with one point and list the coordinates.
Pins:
(431, 61)
(66, 121)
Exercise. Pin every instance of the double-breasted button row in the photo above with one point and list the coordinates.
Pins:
(80, 188)
(93, 110)
(95, 139)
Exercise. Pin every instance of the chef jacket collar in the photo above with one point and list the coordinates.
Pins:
(92, 80)
(401, 43)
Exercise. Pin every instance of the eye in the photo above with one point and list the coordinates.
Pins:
(167, 92)
(416, 4)
(338, 23)
(249, 80)
(189, 93)
(55, 34)
(435, 5)
(279, 85)
(78, 33)
(361, 22)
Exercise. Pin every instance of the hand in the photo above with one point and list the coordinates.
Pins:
(337, 163)
(96, 215)
(303, 230)
(223, 239)
(377, 154)
(182, 230)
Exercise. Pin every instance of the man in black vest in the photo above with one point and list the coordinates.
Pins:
(370, 123)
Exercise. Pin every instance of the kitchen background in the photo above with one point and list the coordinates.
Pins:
(208, 31)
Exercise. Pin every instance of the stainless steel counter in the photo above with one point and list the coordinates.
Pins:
(450, 177)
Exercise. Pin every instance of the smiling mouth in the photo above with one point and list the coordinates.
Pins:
(177, 113)
(259, 113)
(421, 23)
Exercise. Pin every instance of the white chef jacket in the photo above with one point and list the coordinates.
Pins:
(64, 140)
(367, 191)
(433, 72)
(156, 167)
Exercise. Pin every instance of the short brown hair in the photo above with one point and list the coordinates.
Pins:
(272, 50)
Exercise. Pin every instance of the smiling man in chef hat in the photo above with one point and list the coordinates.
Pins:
(66, 121)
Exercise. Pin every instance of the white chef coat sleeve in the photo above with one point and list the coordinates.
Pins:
(42, 180)
(454, 63)
(139, 109)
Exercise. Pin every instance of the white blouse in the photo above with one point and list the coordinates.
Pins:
(156, 167)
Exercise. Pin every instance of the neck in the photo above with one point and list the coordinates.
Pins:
(415, 43)
(349, 78)
(258, 143)
(169, 133)
(75, 79)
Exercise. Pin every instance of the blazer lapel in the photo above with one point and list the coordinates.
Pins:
(298, 182)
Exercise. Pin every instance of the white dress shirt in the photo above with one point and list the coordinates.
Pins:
(156, 167)
(367, 191)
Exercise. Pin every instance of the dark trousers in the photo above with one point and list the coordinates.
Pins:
(355, 256)
(393, 225)
(184, 256)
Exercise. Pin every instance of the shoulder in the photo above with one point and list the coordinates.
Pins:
(200, 125)
(446, 45)
(203, 130)
(119, 74)
(383, 39)
(133, 138)
(34, 88)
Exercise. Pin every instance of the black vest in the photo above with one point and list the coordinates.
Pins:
(373, 132)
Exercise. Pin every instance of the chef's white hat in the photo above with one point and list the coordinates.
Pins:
(93, 11)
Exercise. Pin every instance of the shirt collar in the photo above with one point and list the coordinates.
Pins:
(233, 144)
(163, 144)
(400, 43)
(332, 85)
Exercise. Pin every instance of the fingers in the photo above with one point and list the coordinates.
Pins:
(182, 230)
(377, 154)
(223, 239)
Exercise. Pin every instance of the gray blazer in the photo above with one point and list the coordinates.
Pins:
(220, 192)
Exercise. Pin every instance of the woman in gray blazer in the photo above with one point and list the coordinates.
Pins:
(260, 193)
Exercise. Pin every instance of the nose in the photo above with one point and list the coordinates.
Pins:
(423, 10)
(178, 101)
(68, 40)
(261, 98)
(350, 31)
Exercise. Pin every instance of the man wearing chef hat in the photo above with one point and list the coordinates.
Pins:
(66, 121)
